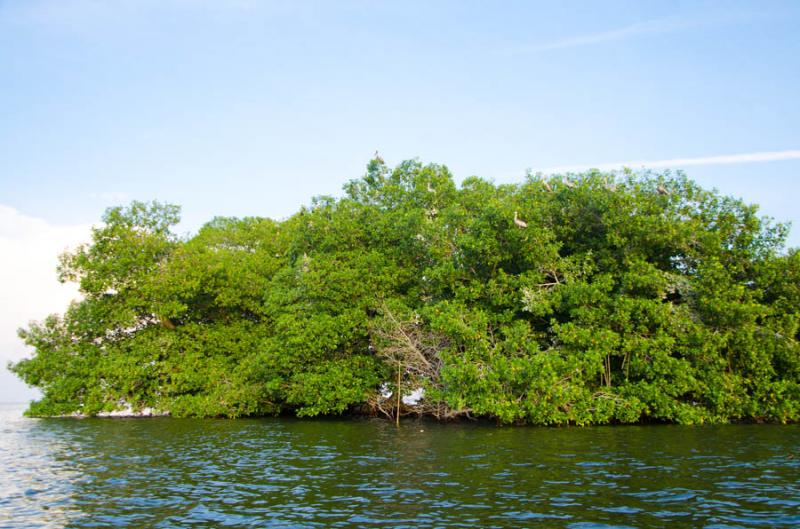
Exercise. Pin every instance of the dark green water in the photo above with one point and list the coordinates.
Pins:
(367, 473)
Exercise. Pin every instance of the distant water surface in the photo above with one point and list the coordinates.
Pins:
(366, 473)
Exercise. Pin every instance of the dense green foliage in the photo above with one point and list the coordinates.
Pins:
(625, 298)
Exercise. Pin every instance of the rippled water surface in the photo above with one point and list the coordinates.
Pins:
(367, 473)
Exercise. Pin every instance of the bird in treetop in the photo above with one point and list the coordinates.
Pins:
(519, 222)
(662, 190)
(378, 158)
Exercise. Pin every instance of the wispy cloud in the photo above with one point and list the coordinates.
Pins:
(678, 163)
(650, 27)
(110, 196)
(74, 14)
(639, 29)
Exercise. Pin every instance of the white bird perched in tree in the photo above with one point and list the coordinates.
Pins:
(519, 222)
(662, 190)
(568, 183)
(546, 185)
(430, 188)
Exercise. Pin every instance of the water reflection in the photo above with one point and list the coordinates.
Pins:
(366, 473)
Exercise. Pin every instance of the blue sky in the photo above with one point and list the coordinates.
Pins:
(251, 108)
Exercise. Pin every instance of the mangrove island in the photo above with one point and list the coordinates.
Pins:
(582, 299)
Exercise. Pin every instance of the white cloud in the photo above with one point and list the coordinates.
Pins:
(679, 163)
(29, 289)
